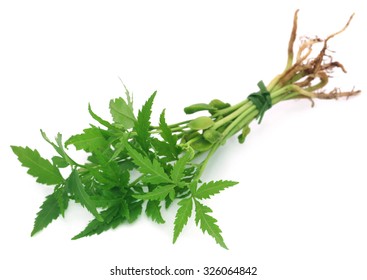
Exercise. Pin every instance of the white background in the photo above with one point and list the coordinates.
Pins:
(300, 209)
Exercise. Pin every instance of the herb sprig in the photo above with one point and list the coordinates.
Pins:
(133, 166)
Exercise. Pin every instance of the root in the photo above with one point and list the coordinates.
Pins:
(306, 70)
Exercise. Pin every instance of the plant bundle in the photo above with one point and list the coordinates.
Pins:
(134, 167)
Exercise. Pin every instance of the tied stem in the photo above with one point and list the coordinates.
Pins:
(261, 100)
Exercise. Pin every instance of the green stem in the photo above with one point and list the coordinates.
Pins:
(243, 116)
(172, 125)
(174, 129)
(231, 109)
(232, 116)
(205, 161)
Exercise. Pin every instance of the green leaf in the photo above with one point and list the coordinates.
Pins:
(154, 172)
(59, 162)
(129, 97)
(58, 147)
(125, 211)
(162, 150)
(182, 216)
(142, 124)
(159, 193)
(98, 118)
(38, 167)
(172, 195)
(135, 210)
(211, 188)
(208, 223)
(122, 113)
(76, 187)
(108, 173)
(178, 169)
(153, 210)
(118, 149)
(62, 199)
(50, 210)
(193, 186)
(111, 219)
(89, 141)
(167, 135)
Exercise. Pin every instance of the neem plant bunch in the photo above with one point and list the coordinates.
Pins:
(134, 167)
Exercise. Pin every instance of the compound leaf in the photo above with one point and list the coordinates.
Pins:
(154, 171)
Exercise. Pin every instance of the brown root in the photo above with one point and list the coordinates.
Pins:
(336, 93)
(305, 70)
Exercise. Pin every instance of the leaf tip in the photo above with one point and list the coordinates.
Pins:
(174, 239)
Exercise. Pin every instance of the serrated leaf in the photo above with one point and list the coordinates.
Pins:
(213, 187)
(108, 173)
(135, 209)
(104, 181)
(162, 150)
(154, 172)
(167, 135)
(50, 211)
(98, 118)
(208, 223)
(153, 210)
(38, 167)
(159, 193)
(111, 219)
(142, 124)
(179, 168)
(182, 216)
(122, 113)
(75, 185)
(89, 141)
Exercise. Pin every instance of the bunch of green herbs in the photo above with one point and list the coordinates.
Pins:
(134, 167)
